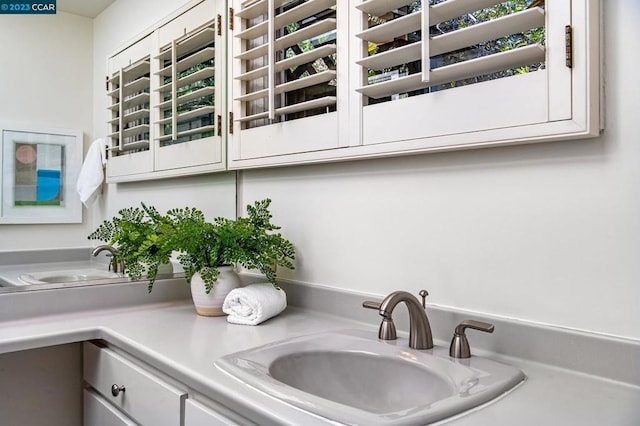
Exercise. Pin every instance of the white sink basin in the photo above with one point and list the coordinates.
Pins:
(353, 378)
(68, 276)
(349, 377)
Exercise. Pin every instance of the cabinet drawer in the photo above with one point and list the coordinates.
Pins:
(98, 412)
(196, 414)
(147, 399)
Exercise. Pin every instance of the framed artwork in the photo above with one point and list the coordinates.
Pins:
(40, 167)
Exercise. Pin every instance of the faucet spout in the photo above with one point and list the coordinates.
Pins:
(116, 260)
(420, 336)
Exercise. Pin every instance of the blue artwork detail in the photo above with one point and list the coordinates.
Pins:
(48, 185)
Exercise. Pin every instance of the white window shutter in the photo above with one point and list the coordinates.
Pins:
(278, 36)
(128, 89)
(187, 108)
(427, 68)
(285, 69)
(423, 50)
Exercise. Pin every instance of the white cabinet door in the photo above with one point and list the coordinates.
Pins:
(98, 412)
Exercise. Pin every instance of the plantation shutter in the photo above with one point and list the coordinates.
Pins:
(476, 61)
(463, 38)
(285, 54)
(128, 89)
(189, 120)
(187, 105)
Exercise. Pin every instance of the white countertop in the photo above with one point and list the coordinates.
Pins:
(173, 339)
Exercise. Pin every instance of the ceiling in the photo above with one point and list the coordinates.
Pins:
(88, 8)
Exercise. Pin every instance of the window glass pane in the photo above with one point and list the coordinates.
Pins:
(194, 102)
(411, 36)
(303, 67)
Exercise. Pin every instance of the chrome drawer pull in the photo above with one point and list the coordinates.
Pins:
(115, 390)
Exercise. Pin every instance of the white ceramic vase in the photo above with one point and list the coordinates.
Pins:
(210, 305)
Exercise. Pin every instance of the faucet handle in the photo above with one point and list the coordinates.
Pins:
(371, 305)
(387, 329)
(459, 344)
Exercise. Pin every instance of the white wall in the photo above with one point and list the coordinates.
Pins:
(548, 233)
(46, 80)
(52, 70)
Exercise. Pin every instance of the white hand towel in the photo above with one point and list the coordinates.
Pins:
(254, 304)
(92, 172)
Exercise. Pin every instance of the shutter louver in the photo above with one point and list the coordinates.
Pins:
(468, 42)
(187, 108)
(288, 60)
(129, 94)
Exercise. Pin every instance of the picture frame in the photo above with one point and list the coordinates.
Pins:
(39, 171)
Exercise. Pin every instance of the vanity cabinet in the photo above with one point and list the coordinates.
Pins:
(319, 80)
(167, 97)
(142, 395)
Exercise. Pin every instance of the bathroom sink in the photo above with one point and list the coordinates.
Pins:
(68, 276)
(349, 377)
(354, 378)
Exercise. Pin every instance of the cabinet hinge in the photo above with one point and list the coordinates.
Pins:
(219, 25)
(231, 18)
(231, 122)
(568, 46)
(219, 125)
(106, 83)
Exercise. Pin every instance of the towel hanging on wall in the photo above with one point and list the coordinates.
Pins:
(92, 172)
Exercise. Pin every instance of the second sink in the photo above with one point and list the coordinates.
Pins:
(67, 276)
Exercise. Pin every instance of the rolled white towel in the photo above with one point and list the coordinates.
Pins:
(254, 304)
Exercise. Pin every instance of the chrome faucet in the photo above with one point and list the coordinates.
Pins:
(116, 260)
(419, 329)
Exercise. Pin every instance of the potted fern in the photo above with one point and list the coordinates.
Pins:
(209, 251)
(142, 238)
